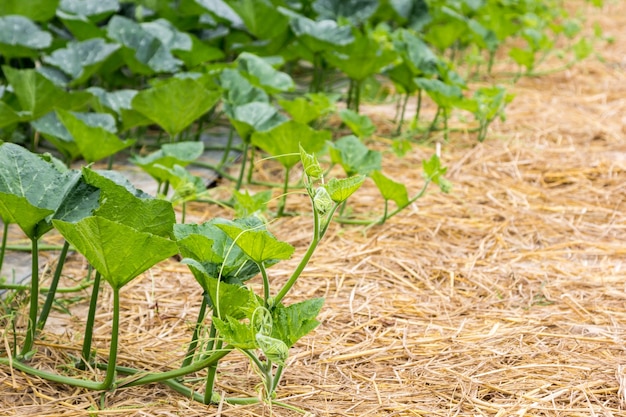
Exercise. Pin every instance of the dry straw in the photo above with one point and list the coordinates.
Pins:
(504, 298)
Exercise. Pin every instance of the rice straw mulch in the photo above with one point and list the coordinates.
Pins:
(505, 297)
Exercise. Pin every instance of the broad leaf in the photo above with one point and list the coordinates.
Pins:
(356, 11)
(38, 95)
(341, 189)
(260, 17)
(263, 74)
(8, 116)
(309, 107)
(415, 53)
(121, 202)
(321, 35)
(390, 189)
(295, 321)
(175, 103)
(354, 156)
(94, 142)
(236, 333)
(257, 242)
(414, 12)
(170, 154)
(238, 90)
(31, 189)
(119, 101)
(284, 141)
(81, 26)
(81, 60)
(255, 116)
(94, 9)
(199, 53)
(20, 37)
(38, 10)
(118, 252)
(168, 34)
(247, 204)
(220, 9)
(445, 95)
(360, 124)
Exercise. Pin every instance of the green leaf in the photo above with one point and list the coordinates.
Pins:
(263, 74)
(360, 124)
(239, 90)
(144, 53)
(122, 203)
(251, 205)
(274, 350)
(341, 189)
(309, 107)
(445, 95)
(523, 57)
(413, 12)
(94, 9)
(38, 95)
(319, 35)
(312, 167)
(175, 103)
(255, 116)
(390, 189)
(295, 321)
(38, 10)
(170, 154)
(236, 333)
(117, 251)
(199, 54)
(94, 142)
(8, 116)
(257, 242)
(354, 156)
(81, 60)
(31, 189)
(415, 53)
(20, 37)
(80, 26)
(260, 17)
(284, 141)
(434, 171)
(356, 11)
(119, 102)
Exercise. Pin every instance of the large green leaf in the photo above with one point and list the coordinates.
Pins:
(94, 142)
(38, 10)
(283, 141)
(263, 74)
(261, 17)
(356, 11)
(309, 107)
(31, 189)
(354, 156)
(144, 53)
(81, 26)
(117, 251)
(292, 322)
(120, 102)
(199, 53)
(413, 12)
(238, 90)
(175, 103)
(20, 37)
(445, 95)
(256, 242)
(415, 53)
(38, 95)
(122, 203)
(8, 116)
(81, 60)
(360, 124)
(390, 189)
(168, 34)
(254, 117)
(241, 335)
(222, 11)
(170, 154)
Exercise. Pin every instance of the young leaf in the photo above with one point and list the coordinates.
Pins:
(361, 125)
(274, 349)
(118, 252)
(390, 189)
(257, 243)
(312, 167)
(434, 171)
(175, 103)
(236, 333)
(254, 117)
(284, 141)
(341, 189)
(292, 322)
(354, 156)
(247, 205)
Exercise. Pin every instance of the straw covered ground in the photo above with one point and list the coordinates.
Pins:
(506, 297)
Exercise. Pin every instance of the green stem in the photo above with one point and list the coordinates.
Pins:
(433, 124)
(66, 290)
(244, 158)
(74, 382)
(266, 283)
(445, 124)
(5, 233)
(115, 328)
(404, 103)
(349, 97)
(210, 378)
(251, 165)
(418, 109)
(184, 212)
(229, 144)
(357, 96)
(34, 297)
(194, 337)
(29, 248)
(45, 310)
(283, 199)
(91, 317)
(277, 376)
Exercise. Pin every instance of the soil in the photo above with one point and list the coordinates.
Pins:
(504, 297)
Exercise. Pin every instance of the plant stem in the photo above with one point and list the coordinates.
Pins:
(210, 378)
(277, 376)
(283, 199)
(418, 109)
(34, 298)
(266, 283)
(91, 317)
(229, 144)
(404, 103)
(194, 337)
(250, 165)
(5, 233)
(115, 327)
(45, 310)
(357, 96)
(244, 158)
